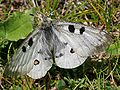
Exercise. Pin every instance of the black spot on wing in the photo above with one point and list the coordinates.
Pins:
(40, 51)
(36, 62)
(24, 49)
(47, 58)
(30, 42)
(82, 29)
(71, 28)
(65, 43)
(60, 55)
(72, 51)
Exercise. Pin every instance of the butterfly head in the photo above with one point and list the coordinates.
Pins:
(41, 20)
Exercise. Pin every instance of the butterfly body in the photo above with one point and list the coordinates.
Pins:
(69, 44)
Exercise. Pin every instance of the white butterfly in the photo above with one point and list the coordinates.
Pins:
(66, 44)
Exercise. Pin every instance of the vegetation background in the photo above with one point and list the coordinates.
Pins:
(99, 72)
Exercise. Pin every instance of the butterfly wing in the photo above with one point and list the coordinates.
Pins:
(79, 42)
(32, 58)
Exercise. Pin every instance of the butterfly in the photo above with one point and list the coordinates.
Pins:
(64, 43)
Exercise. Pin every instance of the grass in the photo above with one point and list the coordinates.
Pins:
(100, 74)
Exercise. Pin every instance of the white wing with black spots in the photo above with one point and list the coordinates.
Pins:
(81, 41)
(32, 58)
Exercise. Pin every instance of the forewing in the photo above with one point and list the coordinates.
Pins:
(32, 58)
(79, 41)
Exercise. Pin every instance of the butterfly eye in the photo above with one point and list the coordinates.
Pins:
(72, 51)
(36, 62)
(30, 42)
(82, 29)
(71, 28)
(24, 49)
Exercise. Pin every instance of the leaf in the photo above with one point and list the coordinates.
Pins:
(114, 48)
(18, 26)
